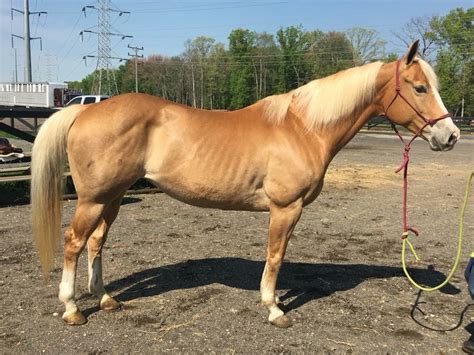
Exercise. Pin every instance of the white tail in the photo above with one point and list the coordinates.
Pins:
(47, 169)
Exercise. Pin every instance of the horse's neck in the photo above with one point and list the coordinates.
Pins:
(335, 136)
(339, 135)
(327, 141)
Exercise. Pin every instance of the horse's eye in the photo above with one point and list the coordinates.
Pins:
(421, 89)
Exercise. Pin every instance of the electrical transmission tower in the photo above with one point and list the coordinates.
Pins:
(26, 37)
(51, 67)
(104, 77)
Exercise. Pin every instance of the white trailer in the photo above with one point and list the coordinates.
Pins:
(41, 94)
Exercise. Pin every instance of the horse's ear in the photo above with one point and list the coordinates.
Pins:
(412, 52)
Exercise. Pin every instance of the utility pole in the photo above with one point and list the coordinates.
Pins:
(104, 73)
(26, 31)
(16, 67)
(136, 56)
(26, 36)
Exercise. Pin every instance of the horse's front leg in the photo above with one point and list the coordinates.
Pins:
(282, 223)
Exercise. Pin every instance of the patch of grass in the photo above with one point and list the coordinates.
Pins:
(6, 135)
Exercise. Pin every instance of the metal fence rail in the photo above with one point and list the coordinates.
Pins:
(465, 124)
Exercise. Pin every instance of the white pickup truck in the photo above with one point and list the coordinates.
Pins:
(86, 99)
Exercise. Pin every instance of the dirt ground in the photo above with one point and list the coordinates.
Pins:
(188, 278)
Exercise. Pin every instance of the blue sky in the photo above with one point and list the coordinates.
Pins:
(162, 27)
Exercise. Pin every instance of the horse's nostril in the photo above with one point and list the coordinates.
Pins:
(452, 139)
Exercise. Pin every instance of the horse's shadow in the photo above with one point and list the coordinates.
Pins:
(304, 281)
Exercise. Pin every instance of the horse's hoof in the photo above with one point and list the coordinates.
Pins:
(109, 304)
(75, 318)
(282, 322)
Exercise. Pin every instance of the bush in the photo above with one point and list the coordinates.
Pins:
(14, 193)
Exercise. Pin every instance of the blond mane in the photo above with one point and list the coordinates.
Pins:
(324, 101)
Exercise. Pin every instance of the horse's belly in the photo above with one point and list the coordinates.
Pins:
(212, 194)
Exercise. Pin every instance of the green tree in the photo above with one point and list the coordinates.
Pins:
(454, 36)
(85, 85)
(125, 77)
(333, 52)
(242, 87)
(293, 70)
(218, 74)
(447, 67)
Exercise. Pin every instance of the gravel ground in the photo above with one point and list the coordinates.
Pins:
(188, 277)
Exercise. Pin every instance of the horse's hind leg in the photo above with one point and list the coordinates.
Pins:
(282, 223)
(94, 251)
(85, 221)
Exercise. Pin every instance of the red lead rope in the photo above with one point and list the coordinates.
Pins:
(404, 166)
(406, 159)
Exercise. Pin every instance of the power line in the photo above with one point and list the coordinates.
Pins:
(217, 6)
(66, 41)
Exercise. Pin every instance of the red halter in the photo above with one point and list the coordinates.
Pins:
(404, 165)
(427, 121)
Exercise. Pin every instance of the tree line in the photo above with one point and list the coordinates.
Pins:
(253, 65)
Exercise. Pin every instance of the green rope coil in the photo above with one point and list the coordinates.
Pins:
(405, 241)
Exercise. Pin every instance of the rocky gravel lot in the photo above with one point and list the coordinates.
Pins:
(188, 278)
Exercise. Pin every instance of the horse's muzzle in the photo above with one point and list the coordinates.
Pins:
(446, 142)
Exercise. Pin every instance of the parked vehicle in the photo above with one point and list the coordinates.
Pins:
(40, 94)
(86, 99)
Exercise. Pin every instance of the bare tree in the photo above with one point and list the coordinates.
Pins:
(418, 28)
(196, 53)
(366, 44)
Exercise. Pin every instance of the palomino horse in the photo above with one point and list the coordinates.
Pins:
(271, 156)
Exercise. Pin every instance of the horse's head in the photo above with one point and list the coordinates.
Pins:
(412, 100)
